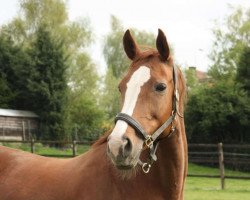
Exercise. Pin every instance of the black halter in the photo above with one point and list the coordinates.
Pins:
(151, 140)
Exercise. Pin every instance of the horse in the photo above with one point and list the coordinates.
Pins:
(143, 157)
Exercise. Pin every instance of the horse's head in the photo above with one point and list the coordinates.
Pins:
(147, 92)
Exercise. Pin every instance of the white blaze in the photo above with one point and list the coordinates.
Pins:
(137, 80)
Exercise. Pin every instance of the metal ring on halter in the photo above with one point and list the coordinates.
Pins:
(149, 141)
(146, 167)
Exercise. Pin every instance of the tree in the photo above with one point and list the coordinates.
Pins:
(230, 39)
(85, 115)
(219, 110)
(111, 96)
(192, 80)
(243, 70)
(6, 93)
(75, 37)
(48, 84)
(53, 13)
(217, 114)
(113, 49)
(14, 73)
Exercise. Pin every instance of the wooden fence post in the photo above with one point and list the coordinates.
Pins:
(23, 124)
(30, 136)
(221, 165)
(32, 146)
(3, 133)
(74, 149)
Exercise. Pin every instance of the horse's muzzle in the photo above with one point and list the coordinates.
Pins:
(120, 152)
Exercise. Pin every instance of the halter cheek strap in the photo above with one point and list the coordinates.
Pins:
(151, 141)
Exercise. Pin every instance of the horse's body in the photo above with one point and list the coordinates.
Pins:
(25, 176)
(92, 176)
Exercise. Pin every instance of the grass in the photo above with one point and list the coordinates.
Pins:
(47, 150)
(209, 188)
(198, 169)
(195, 189)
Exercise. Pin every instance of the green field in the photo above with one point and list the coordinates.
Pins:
(209, 188)
(195, 188)
(47, 150)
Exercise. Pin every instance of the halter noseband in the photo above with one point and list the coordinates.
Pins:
(151, 141)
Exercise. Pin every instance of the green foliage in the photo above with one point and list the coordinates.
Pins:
(53, 13)
(230, 39)
(218, 113)
(6, 94)
(48, 84)
(192, 81)
(85, 117)
(35, 73)
(36, 12)
(219, 110)
(111, 96)
(243, 70)
(113, 49)
(14, 73)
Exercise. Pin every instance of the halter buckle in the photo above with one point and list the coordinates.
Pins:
(146, 167)
(149, 141)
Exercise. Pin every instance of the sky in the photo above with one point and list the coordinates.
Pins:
(187, 24)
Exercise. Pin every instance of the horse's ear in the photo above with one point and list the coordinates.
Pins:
(162, 45)
(130, 46)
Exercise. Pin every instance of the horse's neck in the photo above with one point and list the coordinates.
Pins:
(165, 178)
(172, 161)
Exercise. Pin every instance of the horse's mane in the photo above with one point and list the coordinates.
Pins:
(102, 139)
(182, 90)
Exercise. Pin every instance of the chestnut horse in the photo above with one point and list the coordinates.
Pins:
(144, 157)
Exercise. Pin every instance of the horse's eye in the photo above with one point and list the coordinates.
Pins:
(160, 87)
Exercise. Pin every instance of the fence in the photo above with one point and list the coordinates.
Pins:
(210, 154)
(73, 144)
(220, 155)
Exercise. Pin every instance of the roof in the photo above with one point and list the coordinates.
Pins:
(17, 113)
(201, 75)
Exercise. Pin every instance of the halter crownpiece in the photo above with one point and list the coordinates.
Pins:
(151, 141)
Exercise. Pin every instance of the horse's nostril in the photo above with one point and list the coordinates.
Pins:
(127, 147)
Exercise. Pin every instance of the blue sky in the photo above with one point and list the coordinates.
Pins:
(186, 23)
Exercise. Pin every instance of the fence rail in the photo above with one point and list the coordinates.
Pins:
(220, 154)
(32, 143)
(203, 154)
